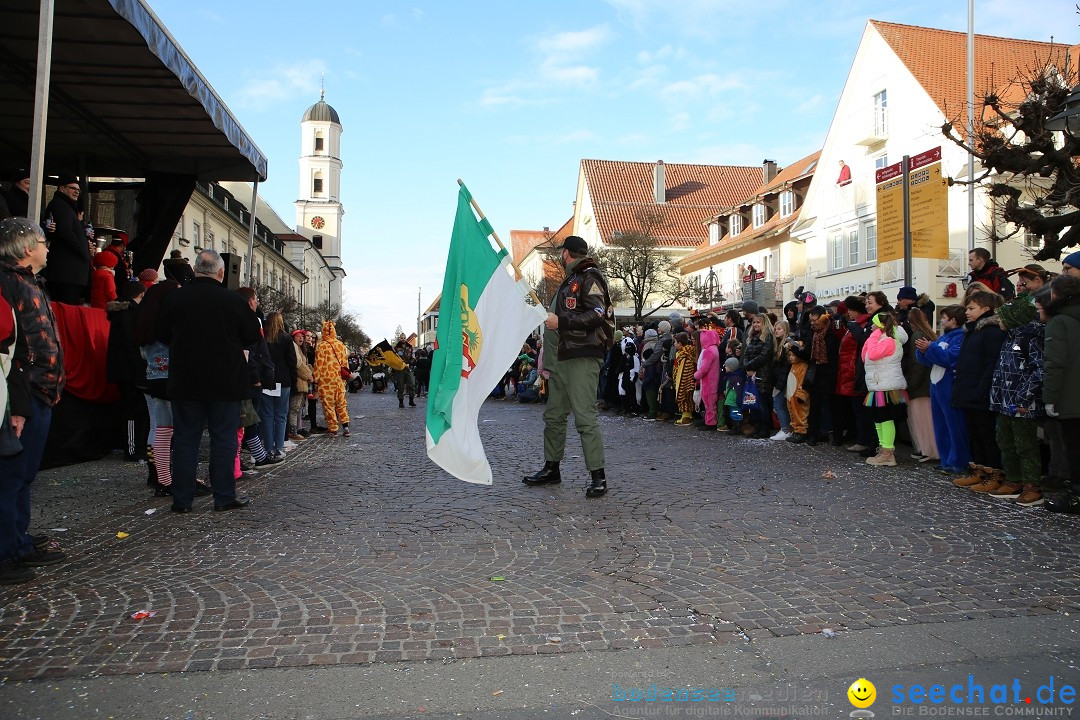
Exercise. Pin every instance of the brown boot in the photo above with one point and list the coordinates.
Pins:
(973, 478)
(991, 482)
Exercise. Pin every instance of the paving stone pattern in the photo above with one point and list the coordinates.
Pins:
(359, 550)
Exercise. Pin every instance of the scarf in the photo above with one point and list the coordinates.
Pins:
(818, 353)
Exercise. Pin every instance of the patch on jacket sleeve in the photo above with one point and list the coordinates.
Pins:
(571, 303)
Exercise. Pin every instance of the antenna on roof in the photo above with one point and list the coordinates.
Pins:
(322, 87)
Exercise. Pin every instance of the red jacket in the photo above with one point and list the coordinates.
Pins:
(102, 287)
(849, 350)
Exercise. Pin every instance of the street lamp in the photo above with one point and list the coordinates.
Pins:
(1068, 119)
(710, 290)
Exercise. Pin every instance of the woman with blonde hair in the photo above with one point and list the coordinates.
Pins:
(778, 378)
(277, 397)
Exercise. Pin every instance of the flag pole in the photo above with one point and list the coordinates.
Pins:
(517, 270)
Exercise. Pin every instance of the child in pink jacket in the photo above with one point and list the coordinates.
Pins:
(887, 388)
(708, 375)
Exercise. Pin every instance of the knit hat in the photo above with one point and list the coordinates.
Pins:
(650, 334)
(105, 260)
(1072, 260)
(732, 364)
(1016, 313)
(749, 306)
(856, 303)
(618, 336)
(907, 293)
(21, 174)
(148, 277)
(808, 299)
(664, 327)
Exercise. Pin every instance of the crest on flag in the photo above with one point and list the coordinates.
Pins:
(471, 337)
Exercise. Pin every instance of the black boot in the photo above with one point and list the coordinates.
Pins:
(598, 486)
(401, 402)
(548, 475)
(1068, 504)
(411, 403)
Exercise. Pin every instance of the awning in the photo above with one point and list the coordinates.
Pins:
(124, 101)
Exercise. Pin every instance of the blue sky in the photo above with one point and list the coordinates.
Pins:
(510, 96)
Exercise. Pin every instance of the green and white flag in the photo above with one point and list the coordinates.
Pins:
(483, 322)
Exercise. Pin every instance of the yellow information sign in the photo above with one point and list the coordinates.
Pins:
(890, 213)
(929, 210)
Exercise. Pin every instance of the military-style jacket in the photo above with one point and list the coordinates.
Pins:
(586, 318)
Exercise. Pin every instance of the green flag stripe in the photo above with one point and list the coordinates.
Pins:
(470, 262)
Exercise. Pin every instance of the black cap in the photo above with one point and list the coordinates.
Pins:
(574, 244)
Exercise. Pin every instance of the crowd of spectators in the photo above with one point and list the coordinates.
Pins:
(980, 389)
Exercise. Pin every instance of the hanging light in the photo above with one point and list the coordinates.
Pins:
(1068, 119)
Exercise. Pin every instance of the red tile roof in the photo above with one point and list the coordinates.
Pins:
(694, 193)
(705, 254)
(938, 60)
(523, 241)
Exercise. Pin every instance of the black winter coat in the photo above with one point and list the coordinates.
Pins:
(976, 362)
(207, 327)
(69, 249)
(284, 359)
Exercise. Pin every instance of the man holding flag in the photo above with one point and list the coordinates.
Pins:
(580, 327)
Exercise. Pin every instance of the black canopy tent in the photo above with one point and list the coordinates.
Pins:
(124, 101)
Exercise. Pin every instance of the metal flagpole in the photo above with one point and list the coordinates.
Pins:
(251, 229)
(971, 122)
(41, 110)
(517, 270)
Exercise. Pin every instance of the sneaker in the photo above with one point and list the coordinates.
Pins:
(39, 558)
(1031, 496)
(304, 434)
(246, 464)
(796, 438)
(288, 445)
(268, 460)
(1007, 490)
(39, 541)
(974, 476)
(856, 448)
(684, 422)
(346, 432)
(13, 573)
(1070, 505)
(781, 435)
(295, 437)
(917, 456)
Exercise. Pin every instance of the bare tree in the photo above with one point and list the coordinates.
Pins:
(1030, 172)
(645, 270)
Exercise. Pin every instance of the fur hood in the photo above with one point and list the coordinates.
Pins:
(982, 323)
(923, 301)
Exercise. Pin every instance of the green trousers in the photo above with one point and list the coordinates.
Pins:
(572, 388)
(1019, 442)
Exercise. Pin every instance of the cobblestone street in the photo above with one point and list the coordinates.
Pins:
(359, 550)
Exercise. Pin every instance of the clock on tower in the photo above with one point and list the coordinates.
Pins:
(317, 222)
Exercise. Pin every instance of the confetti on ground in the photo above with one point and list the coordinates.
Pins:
(829, 475)
(497, 578)
(123, 535)
(151, 511)
(143, 614)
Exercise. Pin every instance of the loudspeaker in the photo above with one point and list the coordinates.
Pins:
(232, 270)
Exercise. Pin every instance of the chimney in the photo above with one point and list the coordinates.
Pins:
(659, 183)
(768, 171)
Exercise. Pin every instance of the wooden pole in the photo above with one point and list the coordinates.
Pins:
(517, 270)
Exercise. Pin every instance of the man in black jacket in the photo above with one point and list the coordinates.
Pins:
(206, 327)
(68, 274)
(580, 328)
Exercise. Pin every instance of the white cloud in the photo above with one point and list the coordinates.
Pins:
(568, 75)
(702, 85)
(281, 82)
(574, 41)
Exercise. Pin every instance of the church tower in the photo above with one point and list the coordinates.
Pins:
(318, 208)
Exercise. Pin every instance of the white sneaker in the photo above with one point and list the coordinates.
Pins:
(780, 435)
(289, 445)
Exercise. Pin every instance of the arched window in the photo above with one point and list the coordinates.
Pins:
(317, 184)
(319, 142)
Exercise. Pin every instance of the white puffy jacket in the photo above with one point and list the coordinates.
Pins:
(883, 372)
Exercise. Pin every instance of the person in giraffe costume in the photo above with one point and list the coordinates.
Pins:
(330, 357)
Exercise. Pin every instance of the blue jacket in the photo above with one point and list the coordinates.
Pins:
(1019, 373)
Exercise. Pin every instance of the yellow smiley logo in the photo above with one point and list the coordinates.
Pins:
(862, 693)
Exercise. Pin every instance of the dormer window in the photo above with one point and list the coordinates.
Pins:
(759, 215)
(714, 233)
(736, 224)
(787, 203)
